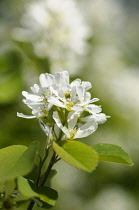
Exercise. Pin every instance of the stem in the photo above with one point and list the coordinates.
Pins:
(40, 167)
(31, 204)
(39, 173)
(52, 161)
(48, 170)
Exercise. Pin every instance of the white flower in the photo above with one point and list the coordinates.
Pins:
(57, 30)
(73, 111)
(83, 117)
(38, 101)
(73, 131)
(95, 114)
(73, 96)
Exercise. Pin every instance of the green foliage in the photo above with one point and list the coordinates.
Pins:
(9, 157)
(112, 153)
(45, 194)
(50, 193)
(111, 63)
(25, 189)
(77, 154)
(16, 160)
(9, 187)
(51, 175)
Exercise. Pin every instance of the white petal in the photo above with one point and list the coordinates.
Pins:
(77, 108)
(94, 100)
(55, 101)
(99, 118)
(62, 78)
(57, 119)
(31, 97)
(57, 78)
(86, 85)
(86, 129)
(84, 103)
(92, 108)
(29, 102)
(50, 79)
(72, 119)
(59, 124)
(25, 116)
(35, 89)
(37, 113)
(87, 96)
(46, 80)
(66, 131)
(73, 93)
(65, 77)
(80, 92)
(33, 105)
(54, 89)
(62, 90)
(40, 106)
(75, 83)
(43, 80)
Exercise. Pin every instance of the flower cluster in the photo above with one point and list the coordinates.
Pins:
(64, 106)
(57, 30)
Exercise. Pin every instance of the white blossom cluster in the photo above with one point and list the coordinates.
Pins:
(57, 30)
(63, 105)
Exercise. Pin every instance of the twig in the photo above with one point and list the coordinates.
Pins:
(52, 161)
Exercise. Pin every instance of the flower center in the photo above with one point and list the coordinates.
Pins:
(67, 95)
(69, 105)
(72, 133)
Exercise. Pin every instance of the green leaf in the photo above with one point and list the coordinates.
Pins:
(50, 177)
(16, 160)
(25, 189)
(26, 163)
(77, 154)
(8, 159)
(9, 187)
(50, 193)
(112, 153)
(45, 194)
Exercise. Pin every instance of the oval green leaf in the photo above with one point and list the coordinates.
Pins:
(77, 154)
(45, 194)
(48, 193)
(112, 153)
(16, 160)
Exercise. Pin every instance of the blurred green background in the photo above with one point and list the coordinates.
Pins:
(96, 41)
